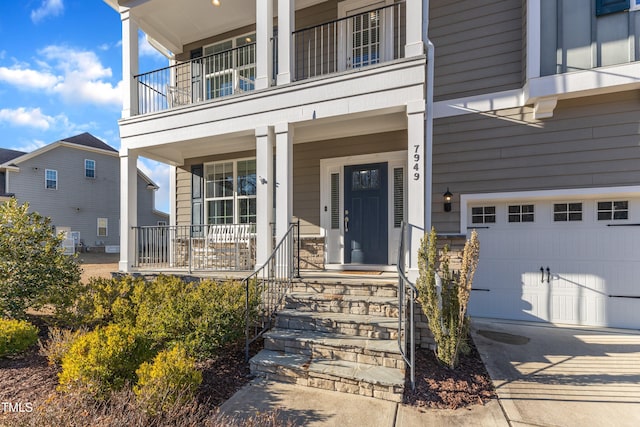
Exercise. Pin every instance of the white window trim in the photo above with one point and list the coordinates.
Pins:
(520, 204)
(86, 169)
(46, 171)
(568, 212)
(635, 5)
(235, 197)
(591, 193)
(612, 220)
(106, 227)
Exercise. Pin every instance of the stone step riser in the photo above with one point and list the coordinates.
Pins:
(351, 354)
(347, 289)
(337, 305)
(328, 325)
(327, 382)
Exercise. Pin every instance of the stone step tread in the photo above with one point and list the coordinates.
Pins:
(366, 319)
(354, 371)
(314, 296)
(335, 340)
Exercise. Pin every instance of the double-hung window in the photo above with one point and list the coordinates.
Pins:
(230, 66)
(230, 192)
(103, 227)
(89, 168)
(51, 179)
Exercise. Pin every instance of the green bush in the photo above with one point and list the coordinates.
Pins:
(171, 379)
(102, 301)
(59, 343)
(33, 269)
(204, 316)
(16, 336)
(103, 360)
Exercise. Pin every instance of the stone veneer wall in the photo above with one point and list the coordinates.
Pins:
(312, 253)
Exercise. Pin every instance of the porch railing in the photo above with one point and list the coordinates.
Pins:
(214, 76)
(269, 284)
(356, 41)
(407, 294)
(209, 247)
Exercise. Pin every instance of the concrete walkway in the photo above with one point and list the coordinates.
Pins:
(562, 376)
(306, 406)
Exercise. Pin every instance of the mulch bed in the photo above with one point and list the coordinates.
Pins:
(438, 387)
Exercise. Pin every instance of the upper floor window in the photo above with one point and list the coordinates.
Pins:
(90, 168)
(51, 179)
(614, 210)
(232, 68)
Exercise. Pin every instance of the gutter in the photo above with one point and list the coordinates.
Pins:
(428, 117)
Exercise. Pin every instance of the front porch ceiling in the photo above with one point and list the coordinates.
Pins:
(177, 23)
(308, 131)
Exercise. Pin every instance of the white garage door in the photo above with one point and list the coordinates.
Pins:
(570, 260)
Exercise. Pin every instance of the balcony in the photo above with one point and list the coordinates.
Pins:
(354, 42)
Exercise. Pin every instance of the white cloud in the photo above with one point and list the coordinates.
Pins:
(46, 9)
(31, 117)
(145, 48)
(30, 146)
(159, 173)
(77, 76)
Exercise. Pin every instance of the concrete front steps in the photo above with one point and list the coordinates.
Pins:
(337, 336)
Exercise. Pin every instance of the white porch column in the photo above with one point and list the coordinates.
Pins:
(414, 45)
(286, 24)
(418, 210)
(128, 207)
(264, 202)
(172, 212)
(264, 47)
(284, 178)
(129, 64)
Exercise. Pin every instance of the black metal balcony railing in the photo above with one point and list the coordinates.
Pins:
(368, 38)
(214, 76)
(357, 41)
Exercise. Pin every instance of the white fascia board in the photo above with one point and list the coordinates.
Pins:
(57, 144)
(615, 78)
(558, 194)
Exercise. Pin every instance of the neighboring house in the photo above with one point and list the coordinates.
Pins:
(527, 112)
(76, 182)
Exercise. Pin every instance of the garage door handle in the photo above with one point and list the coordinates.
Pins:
(548, 275)
(542, 274)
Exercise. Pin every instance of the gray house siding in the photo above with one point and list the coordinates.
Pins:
(78, 202)
(478, 46)
(589, 142)
(147, 215)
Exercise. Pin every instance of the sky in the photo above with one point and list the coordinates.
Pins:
(61, 75)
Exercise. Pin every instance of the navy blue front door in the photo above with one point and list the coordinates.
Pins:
(365, 214)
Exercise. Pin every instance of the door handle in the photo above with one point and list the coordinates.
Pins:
(346, 221)
(548, 274)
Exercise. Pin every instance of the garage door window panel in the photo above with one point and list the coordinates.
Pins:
(520, 213)
(483, 215)
(613, 210)
(567, 212)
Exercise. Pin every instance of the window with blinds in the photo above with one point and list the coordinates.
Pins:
(398, 197)
(335, 201)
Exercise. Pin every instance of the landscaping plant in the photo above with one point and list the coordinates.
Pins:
(16, 336)
(33, 269)
(446, 305)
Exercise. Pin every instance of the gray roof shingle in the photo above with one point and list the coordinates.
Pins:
(88, 140)
(8, 155)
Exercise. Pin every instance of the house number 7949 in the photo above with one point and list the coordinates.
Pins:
(416, 163)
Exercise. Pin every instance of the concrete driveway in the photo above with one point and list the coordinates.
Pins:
(562, 376)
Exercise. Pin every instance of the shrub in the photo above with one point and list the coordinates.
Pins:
(59, 343)
(102, 301)
(446, 307)
(16, 336)
(171, 378)
(33, 269)
(103, 360)
(204, 316)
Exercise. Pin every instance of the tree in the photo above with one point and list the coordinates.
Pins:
(446, 305)
(33, 269)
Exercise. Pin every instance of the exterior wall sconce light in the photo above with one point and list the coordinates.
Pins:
(447, 200)
(215, 2)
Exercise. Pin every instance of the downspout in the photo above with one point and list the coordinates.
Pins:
(428, 117)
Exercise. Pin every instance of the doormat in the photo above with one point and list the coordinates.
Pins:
(364, 273)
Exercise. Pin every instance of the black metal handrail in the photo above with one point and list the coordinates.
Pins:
(270, 283)
(407, 293)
